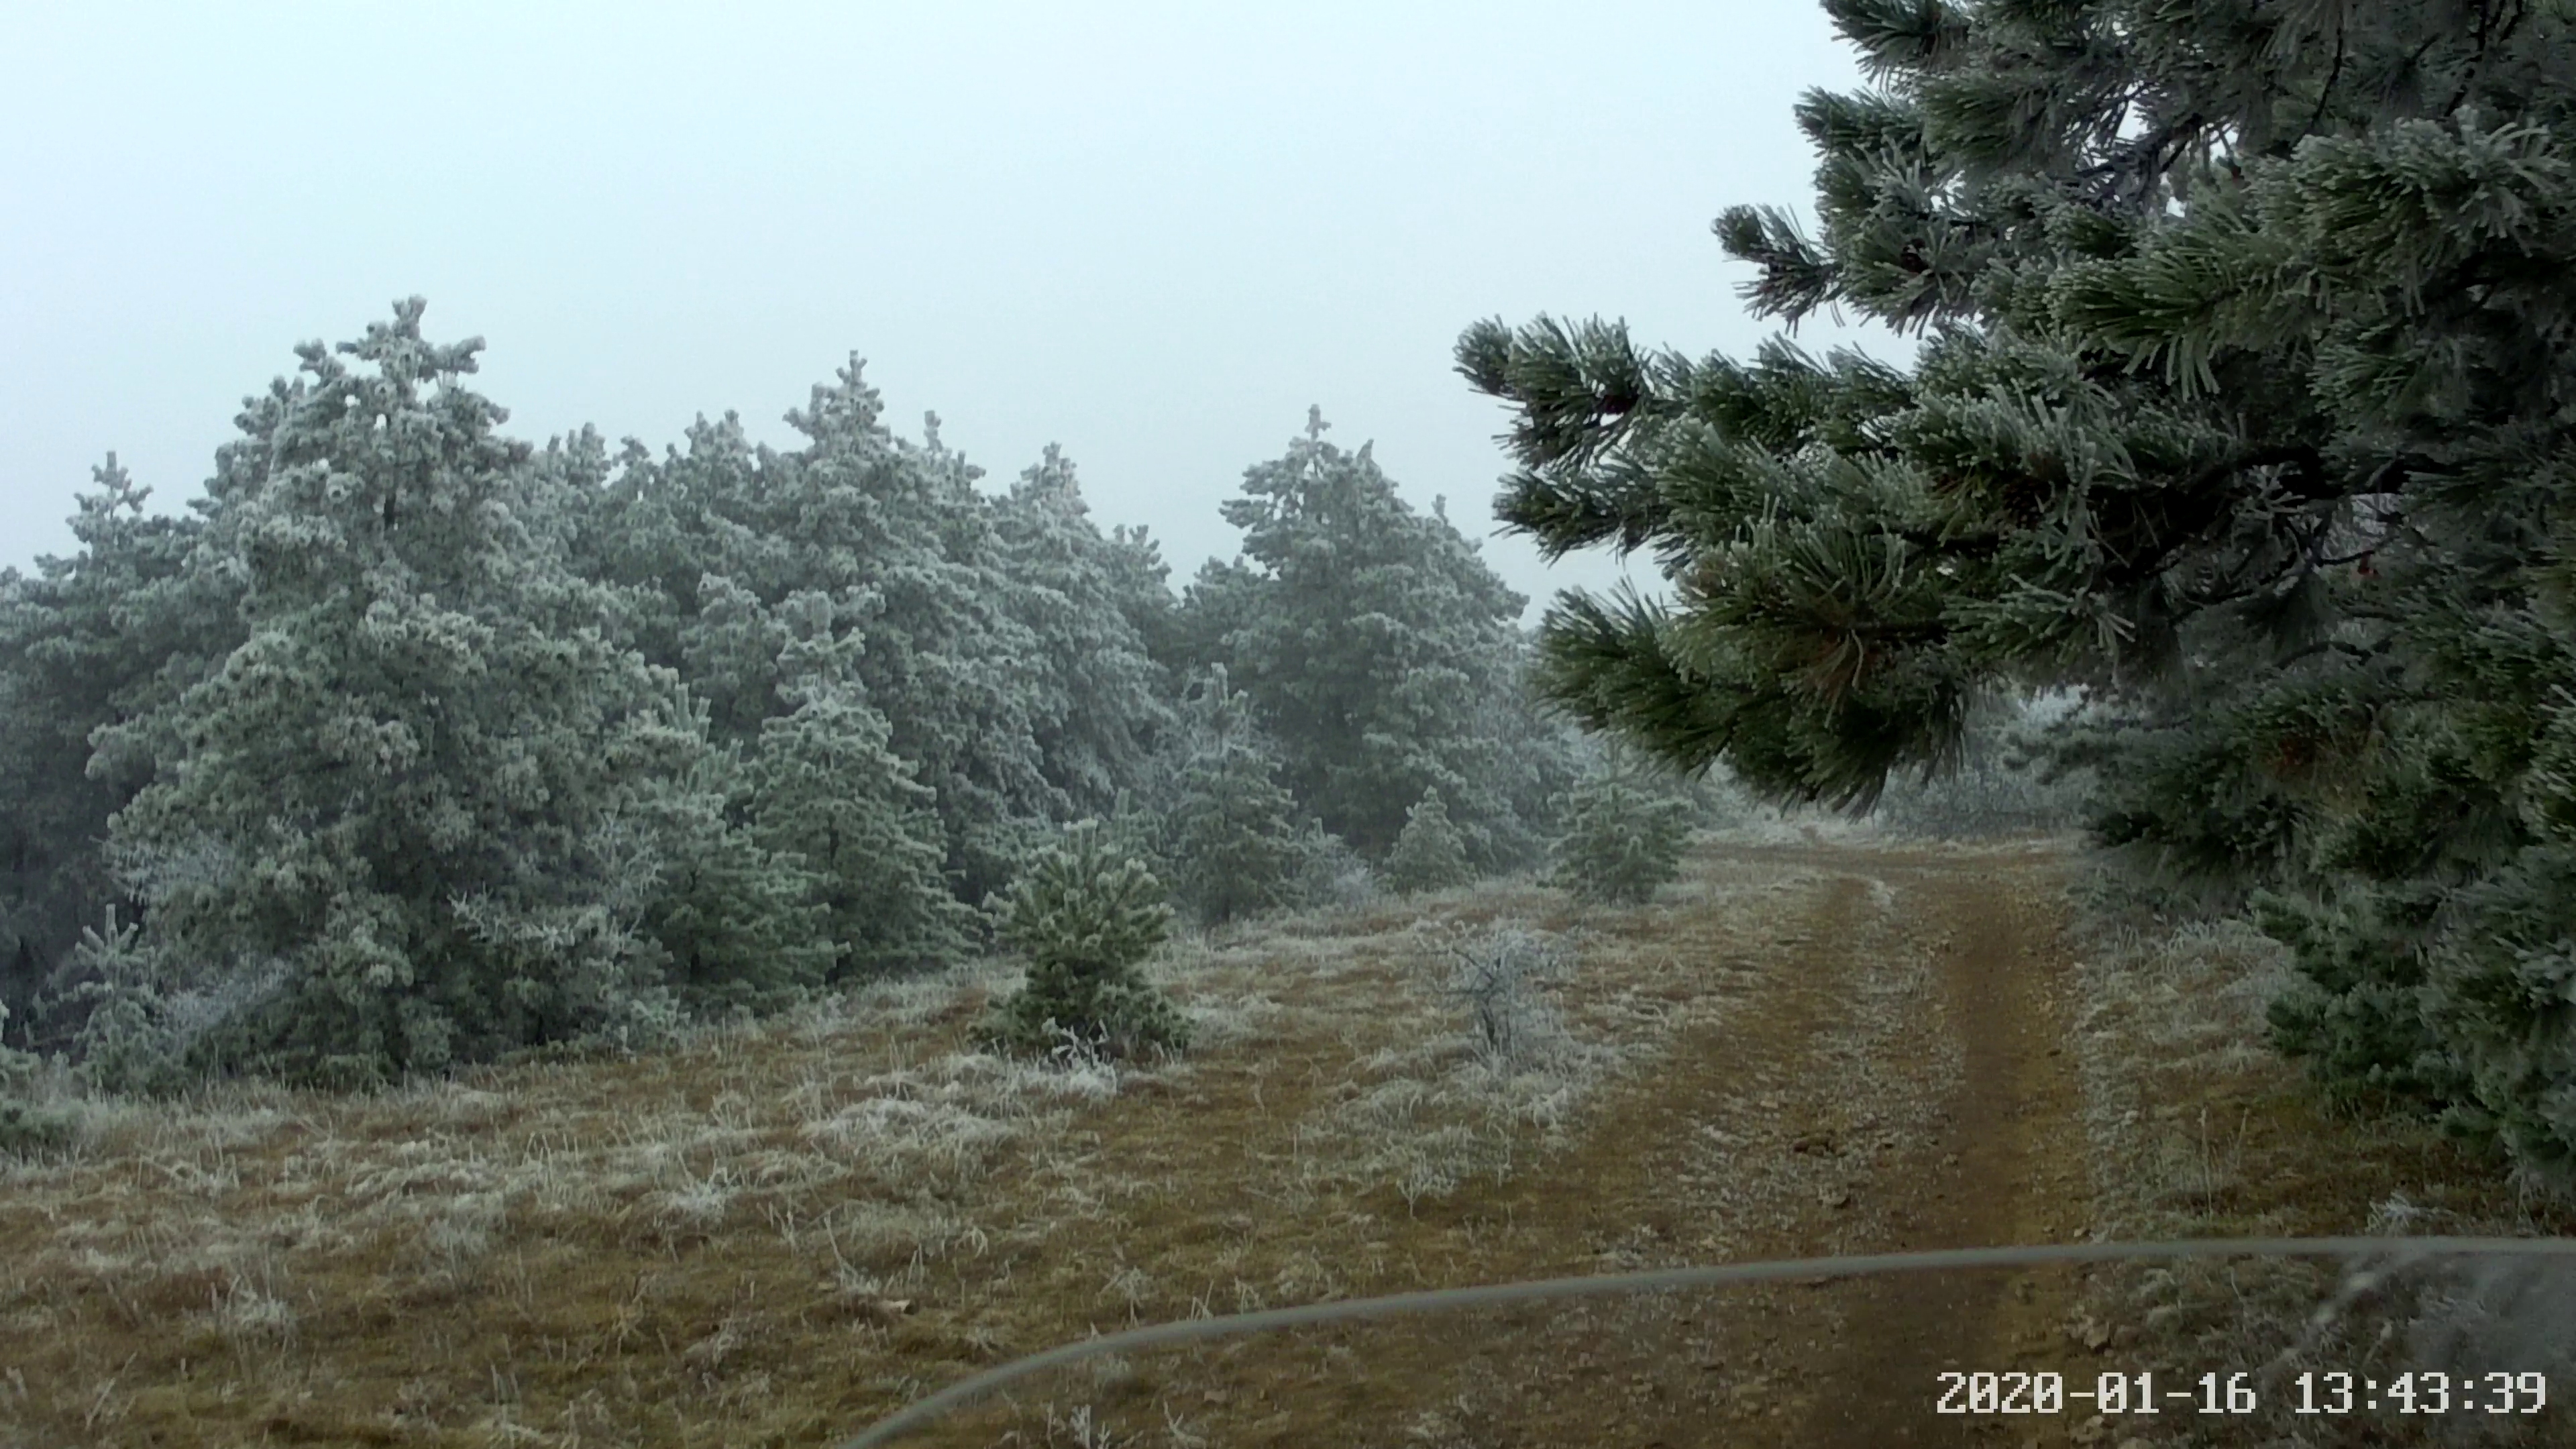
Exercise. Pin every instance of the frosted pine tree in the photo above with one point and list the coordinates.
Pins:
(1371, 639)
(719, 536)
(2241, 405)
(1085, 916)
(828, 791)
(727, 921)
(1097, 696)
(89, 646)
(1231, 835)
(392, 813)
(897, 534)
(1429, 854)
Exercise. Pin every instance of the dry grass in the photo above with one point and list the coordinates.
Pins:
(776, 1234)
(773, 1234)
(2200, 1131)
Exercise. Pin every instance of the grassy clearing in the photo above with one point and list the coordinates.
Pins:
(775, 1233)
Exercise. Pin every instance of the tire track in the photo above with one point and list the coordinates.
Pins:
(2001, 1165)
(1891, 1078)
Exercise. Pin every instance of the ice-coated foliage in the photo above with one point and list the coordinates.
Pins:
(1085, 916)
(2242, 406)
(1330, 874)
(1002, 644)
(91, 647)
(1429, 853)
(827, 792)
(128, 1042)
(415, 744)
(728, 921)
(1379, 652)
(419, 744)
(1623, 839)
(1086, 599)
(1502, 975)
(399, 795)
(1230, 838)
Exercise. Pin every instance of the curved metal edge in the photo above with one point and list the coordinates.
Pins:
(921, 1412)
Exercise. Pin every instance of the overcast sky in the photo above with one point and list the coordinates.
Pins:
(1151, 233)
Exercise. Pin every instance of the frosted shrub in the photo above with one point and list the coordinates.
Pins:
(1429, 854)
(1620, 842)
(1499, 976)
(1332, 876)
(31, 1129)
(1086, 916)
(127, 1041)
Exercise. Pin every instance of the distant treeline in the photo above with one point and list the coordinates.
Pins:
(412, 744)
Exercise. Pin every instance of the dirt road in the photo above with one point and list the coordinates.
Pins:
(1887, 1075)
(1997, 1158)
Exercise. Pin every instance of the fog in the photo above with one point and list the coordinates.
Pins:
(1151, 233)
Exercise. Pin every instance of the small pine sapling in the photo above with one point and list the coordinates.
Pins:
(1086, 917)
(126, 1041)
(1430, 854)
(1621, 842)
